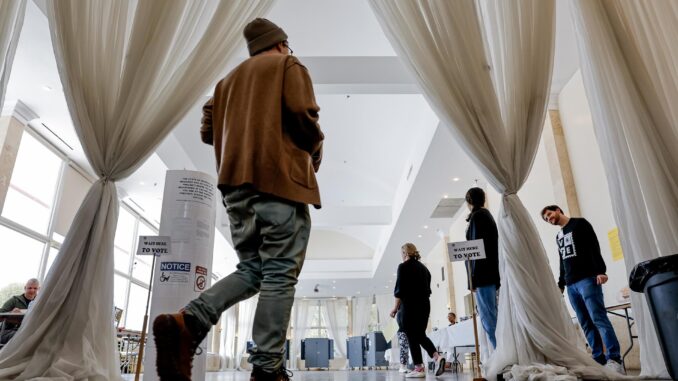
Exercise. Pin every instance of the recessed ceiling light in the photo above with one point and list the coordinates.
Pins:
(357, 292)
(334, 288)
(455, 179)
(334, 281)
(419, 236)
(142, 183)
(425, 226)
(47, 88)
(445, 196)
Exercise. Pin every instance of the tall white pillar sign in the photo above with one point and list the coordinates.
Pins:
(188, 217)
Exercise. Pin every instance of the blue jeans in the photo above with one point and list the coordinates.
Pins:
(270, 236)
(486, 297)
(586, 298)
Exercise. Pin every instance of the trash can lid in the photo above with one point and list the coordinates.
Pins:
(643, 271)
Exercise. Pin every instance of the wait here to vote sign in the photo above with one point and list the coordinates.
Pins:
(154, 245)
(466, 250)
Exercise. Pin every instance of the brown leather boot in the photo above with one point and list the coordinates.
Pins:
(177, 338)
(281, 374)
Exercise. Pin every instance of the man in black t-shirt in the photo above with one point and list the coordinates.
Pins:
(582, 270)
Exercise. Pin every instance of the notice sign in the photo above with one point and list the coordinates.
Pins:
(200, 278)
(175, 272)
(466, 250)
(154, 245)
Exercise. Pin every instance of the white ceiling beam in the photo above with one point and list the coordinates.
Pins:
(333, 216)
(360, 75)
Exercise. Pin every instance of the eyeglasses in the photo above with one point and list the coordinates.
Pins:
(287, 45)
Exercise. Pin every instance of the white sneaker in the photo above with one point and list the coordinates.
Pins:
(615, 366)
(440, 366)
(416, 374)
(403, 369)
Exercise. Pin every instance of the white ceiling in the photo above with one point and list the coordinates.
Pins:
(387, 161)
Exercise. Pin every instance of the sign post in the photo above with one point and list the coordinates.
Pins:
(155, 246)
(469, 251)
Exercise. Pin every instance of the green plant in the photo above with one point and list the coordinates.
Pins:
(10, 290)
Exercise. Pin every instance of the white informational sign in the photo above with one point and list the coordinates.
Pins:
(154, 245)
(188, 217)
(466, 250)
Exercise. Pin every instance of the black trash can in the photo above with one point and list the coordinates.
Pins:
(658, 279)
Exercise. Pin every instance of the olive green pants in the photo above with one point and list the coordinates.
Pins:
(270, 236)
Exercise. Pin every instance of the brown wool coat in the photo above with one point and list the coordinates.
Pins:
(263, 124)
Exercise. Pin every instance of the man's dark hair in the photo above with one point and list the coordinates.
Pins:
(552, 208)
(476, 197)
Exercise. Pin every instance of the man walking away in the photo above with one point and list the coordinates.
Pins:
(263, 124)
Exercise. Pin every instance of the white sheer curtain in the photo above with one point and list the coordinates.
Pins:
(130, 73)
(629, 62)
(361, 315)
(11, 20)
(335, 313)
(300, 329)
(246, 310)
(228, 334)
(488, 79)
(384, 304)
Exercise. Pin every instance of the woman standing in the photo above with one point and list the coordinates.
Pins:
(412, 291)
(484, 272)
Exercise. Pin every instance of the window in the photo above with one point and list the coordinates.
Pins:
(317, 325)
(136, 307)
(27, 212)
(141, 270)
(33, 185)
(132, 272)
(22, 259)
(124, 238)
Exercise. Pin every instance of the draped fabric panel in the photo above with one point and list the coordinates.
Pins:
(130, 71)
(300, 328)
(485, 68)
(335, 313)
(361, 314)
(246, 310)
(384, 304)
(11, 20)
(628, 59)
(228, 333)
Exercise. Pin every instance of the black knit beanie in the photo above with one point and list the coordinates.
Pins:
(262, 34)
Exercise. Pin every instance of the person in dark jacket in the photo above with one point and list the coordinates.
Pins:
(582, 270)
(412, 292)
(484, 273)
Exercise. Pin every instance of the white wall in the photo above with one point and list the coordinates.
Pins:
(589, 177)
(439, 291)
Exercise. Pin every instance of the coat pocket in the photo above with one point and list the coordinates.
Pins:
(301, 169)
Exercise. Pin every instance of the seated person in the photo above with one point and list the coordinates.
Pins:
(18, 303)
(452, 318)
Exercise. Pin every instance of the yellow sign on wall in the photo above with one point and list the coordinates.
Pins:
(615, 244)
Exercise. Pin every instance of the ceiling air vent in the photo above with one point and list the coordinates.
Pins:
(447, 208)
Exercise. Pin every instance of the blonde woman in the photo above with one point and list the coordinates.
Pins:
(412, 292)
